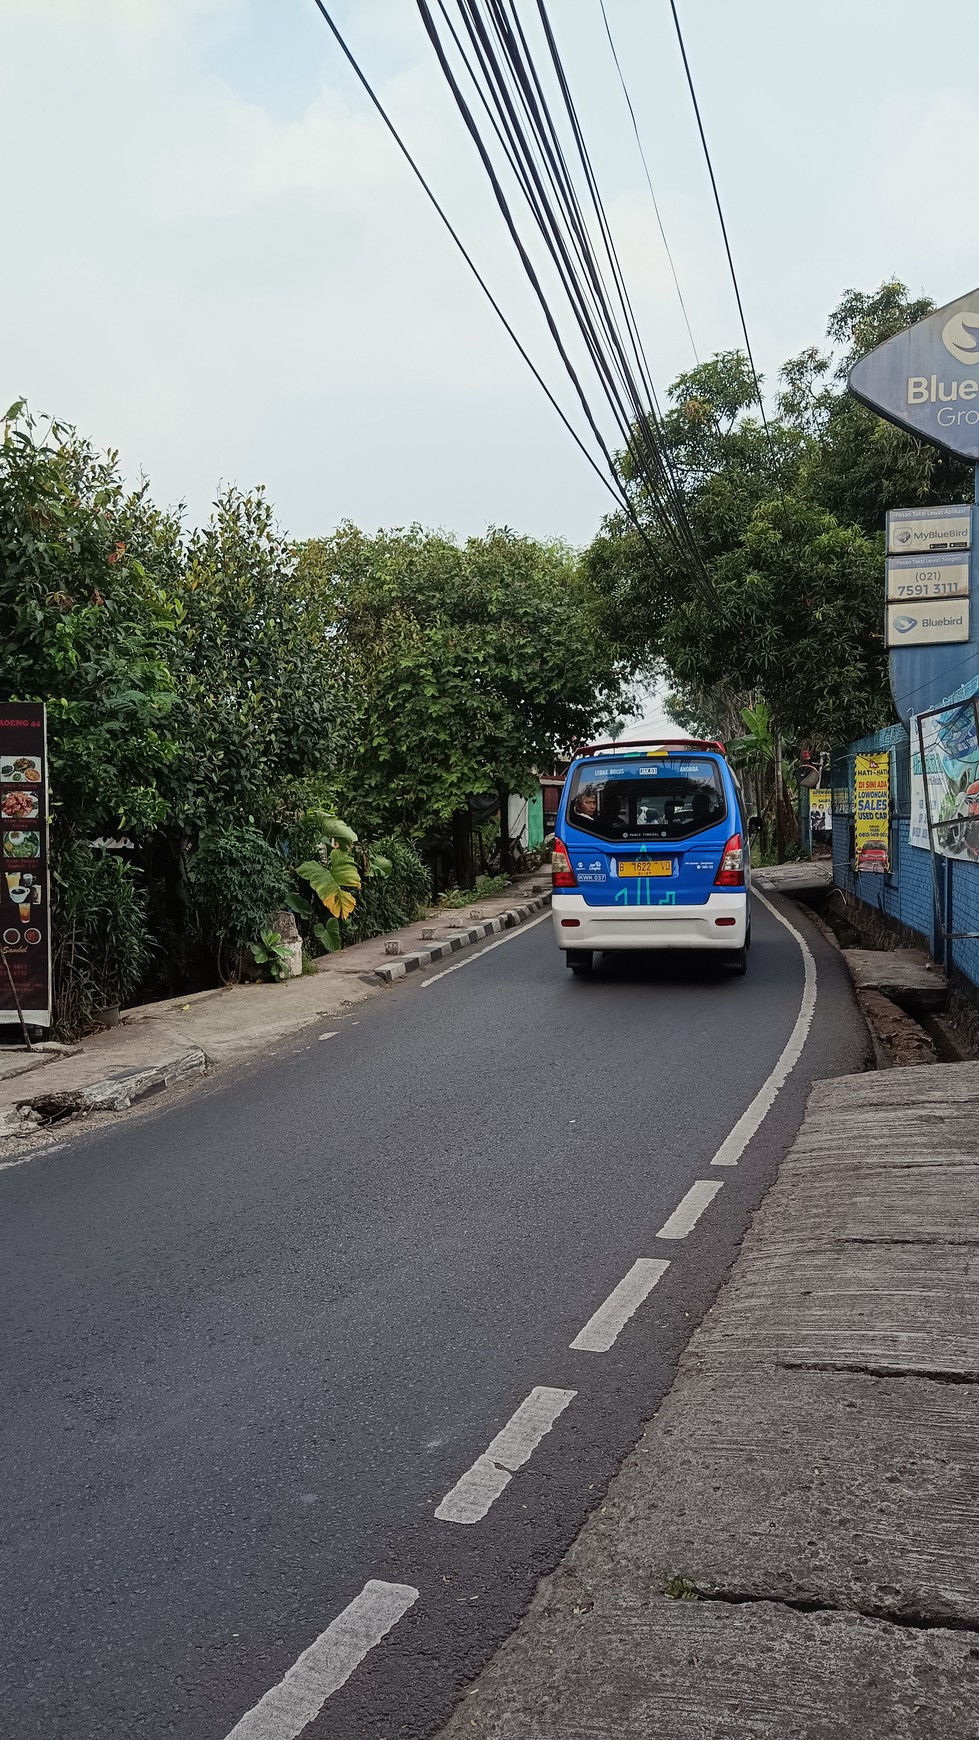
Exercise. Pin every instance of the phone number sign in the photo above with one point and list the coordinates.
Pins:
(927, 577)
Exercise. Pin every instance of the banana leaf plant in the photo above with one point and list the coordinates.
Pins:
(335, 878)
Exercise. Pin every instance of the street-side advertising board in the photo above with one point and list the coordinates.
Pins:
(25, 927)
(871, 812)
(928, 593)
(821, 811)
(912, 579)
(919, 531)
(926, 378)
(950, 768)
(928, 624)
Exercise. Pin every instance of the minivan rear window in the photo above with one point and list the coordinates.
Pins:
(641, 800)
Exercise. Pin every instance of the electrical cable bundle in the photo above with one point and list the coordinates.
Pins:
(516, 102)
(490, 67)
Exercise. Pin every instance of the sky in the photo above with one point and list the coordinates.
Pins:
(219, 264)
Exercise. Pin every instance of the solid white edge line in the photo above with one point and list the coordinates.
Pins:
(734, 1145)
(622, 1303)
(481, 1485)
(327, 1664)
(689, 1210)
(467, 961)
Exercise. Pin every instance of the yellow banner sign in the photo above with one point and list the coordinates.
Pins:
(871, 811)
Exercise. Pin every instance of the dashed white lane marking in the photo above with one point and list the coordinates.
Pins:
(490, 1474)
(468, 960)
(325, 1666)
(734, 1145)
(687, 1213)
(624, 1300)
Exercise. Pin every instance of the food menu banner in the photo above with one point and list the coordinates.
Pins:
(25, 922)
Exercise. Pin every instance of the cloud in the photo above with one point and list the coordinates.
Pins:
(224, 291)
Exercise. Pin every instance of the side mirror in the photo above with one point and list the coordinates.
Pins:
(754, 826)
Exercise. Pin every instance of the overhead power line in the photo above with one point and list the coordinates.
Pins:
(724, 234)
(516, 102)
(649, 180)
(498, 74)
(460, 244)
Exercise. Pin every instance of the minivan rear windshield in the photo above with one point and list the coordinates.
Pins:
(646, 800)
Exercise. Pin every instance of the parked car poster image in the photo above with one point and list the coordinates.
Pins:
(25, 922)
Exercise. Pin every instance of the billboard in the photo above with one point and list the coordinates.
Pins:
(950, 769)
(927, 624)
(914, 578)
(871, 812)
(926, 378)
(918, 531)
(25, 916)
(821, 811)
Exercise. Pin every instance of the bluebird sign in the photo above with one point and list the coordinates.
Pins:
(926, 378)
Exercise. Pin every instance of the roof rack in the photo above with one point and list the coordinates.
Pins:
(653, 743)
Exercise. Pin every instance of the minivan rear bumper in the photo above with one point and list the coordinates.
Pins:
(666, 927)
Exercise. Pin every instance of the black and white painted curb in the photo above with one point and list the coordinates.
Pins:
(438, 951)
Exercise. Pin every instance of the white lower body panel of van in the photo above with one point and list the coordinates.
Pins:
(721, 922)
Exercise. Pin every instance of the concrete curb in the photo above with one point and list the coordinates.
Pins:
(439, 951)
(897, 1038)
(113, 1093)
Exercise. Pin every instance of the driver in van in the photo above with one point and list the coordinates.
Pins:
(703, 806)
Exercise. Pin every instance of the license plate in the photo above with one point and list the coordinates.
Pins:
(645, 866)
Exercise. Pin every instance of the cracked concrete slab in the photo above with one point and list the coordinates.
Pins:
(703, 1670)
(832, 1489)
(888, 1308)
(932, 1201)
(897, 973)
(946, 1084)
(859, 1135)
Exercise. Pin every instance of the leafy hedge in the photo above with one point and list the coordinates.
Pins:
(386, 902)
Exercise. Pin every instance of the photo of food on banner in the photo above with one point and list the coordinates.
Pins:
(20, 770)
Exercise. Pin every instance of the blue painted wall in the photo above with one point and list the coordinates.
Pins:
(907, 893)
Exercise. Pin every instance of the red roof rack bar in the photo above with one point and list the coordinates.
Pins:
(653, 743)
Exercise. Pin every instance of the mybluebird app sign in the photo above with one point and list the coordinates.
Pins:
(927, 377)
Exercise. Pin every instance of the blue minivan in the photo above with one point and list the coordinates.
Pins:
(651, 852)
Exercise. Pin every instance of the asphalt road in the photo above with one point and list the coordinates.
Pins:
(252, 1340)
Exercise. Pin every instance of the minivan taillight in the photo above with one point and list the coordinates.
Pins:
(562, 875)
(731, 871)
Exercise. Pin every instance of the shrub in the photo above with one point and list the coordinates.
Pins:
(485, 886)
(386, 902)
(101, 943)
(237, 881)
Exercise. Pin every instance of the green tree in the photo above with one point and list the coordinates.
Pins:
(789, 520)
(473, 666)
(856, 464)
(87, 621)
(259, 701)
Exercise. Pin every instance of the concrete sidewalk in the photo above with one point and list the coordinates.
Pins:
(809, 1487)
(159, 1044)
